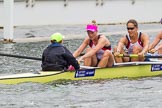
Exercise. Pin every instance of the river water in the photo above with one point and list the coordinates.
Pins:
(117, 93)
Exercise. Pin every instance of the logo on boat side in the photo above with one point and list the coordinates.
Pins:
(156, 67)
(84, 73)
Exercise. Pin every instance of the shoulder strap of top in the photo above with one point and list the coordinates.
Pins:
(90, 43)
(128, 42)
(99, 36)
(139, 39)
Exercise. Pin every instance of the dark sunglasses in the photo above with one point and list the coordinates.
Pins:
(130, 28)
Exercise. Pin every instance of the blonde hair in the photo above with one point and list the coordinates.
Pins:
(94, 22)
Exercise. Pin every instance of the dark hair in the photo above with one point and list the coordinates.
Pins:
(133, 22)
(54, 41)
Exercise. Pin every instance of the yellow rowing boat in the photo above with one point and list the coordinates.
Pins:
(120, 70)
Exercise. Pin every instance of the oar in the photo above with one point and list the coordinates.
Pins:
(18, 56)
(136, 55)
(25, 57)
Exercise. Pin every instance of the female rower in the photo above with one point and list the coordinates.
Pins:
(135, 42)
(99, 51)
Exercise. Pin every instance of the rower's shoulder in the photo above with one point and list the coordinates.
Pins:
(101, 35)
(144, 34)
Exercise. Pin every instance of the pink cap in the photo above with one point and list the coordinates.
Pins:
(91, 27)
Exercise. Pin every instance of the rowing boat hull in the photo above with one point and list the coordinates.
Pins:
(135, 71)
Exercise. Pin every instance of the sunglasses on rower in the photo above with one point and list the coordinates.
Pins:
(130, 28)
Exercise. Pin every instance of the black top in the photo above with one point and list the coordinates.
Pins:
(57, 58)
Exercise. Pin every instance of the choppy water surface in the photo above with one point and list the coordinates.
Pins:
(117, 93)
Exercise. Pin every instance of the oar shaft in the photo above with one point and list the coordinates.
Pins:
(128, 55)
(136, 55)
(156, 56)
(25, 57)
(18, 56)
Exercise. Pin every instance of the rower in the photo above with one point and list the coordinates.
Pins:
(99, 51)
(135, 43)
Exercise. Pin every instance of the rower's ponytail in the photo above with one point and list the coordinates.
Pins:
(94, 22)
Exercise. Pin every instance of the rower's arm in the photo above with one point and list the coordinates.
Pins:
(81, 48)
(156, 41)
(121, 44)
(145, 40)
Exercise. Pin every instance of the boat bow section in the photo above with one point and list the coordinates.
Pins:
(41, 77)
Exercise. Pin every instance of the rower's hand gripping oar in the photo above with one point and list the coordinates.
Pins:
(136, 55)
(18, 56)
